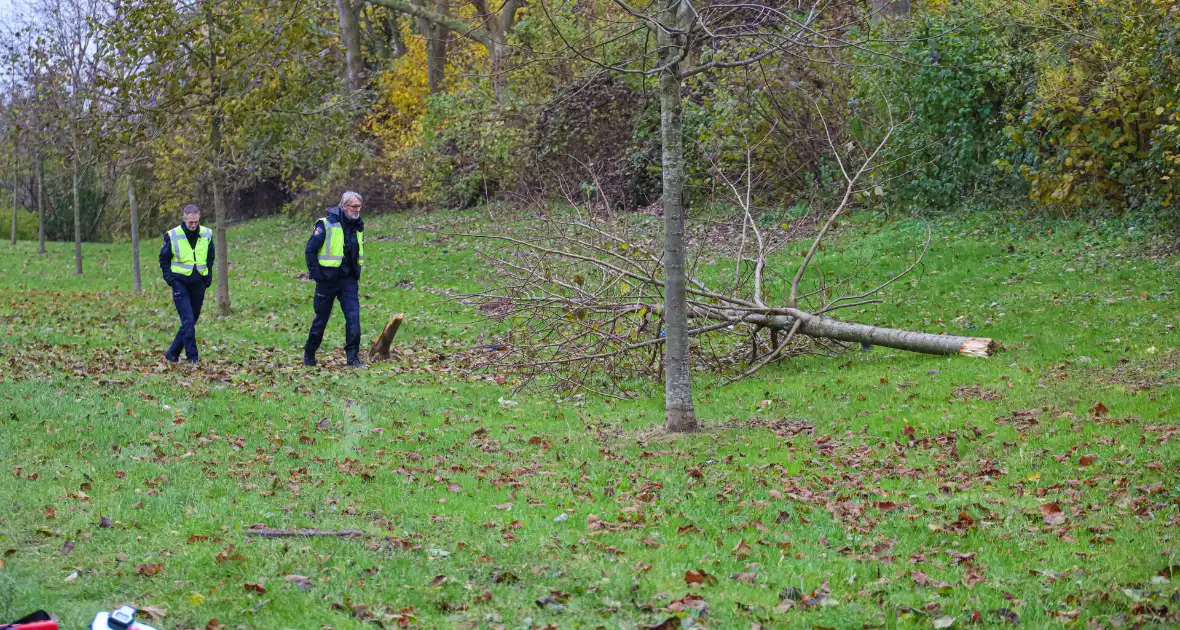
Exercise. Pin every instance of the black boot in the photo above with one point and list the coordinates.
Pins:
(354, 362)
(308, 358)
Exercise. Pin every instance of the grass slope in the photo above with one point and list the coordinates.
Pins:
(883, 489)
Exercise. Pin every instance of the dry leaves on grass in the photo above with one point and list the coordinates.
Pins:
(1052, 513)
(149, 570)
(699, 576)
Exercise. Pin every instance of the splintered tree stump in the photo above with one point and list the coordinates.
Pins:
(383, 342)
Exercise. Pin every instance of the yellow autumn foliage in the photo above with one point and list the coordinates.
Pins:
(402, 92)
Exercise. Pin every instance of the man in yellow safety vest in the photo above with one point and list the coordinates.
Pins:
(187, 263)
(335, 255)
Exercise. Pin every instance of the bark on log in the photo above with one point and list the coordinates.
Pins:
(927, 343)
(383, 342)
(828, 328)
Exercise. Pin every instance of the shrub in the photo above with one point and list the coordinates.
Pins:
(469, 148)
(1098, 128)
(957, 73)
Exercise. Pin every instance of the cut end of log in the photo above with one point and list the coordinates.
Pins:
(980, 347)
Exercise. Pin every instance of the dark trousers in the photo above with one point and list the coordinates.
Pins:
(327, 292)
(188, 298)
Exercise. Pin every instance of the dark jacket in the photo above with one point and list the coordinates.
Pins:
(349, 268)
(194, 277)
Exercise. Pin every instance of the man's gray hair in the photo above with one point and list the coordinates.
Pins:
(349, 196)
(190, 209)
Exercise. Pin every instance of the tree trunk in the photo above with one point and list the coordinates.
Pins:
(350, 36)
(498, 26)
(927, 343)
(495, 58)
(395, 38)
(41, 207)
(223, 306)
(828, 328)
(436, 58)
(15, 187)
(77, 212)
(136, 280)
(678, 408)
(219, 214)
(436, 45)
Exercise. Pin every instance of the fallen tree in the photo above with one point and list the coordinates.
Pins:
(581, 296)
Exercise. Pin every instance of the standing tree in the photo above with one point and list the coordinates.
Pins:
(350, 37)
(70, 29)
(15, 113)
(377, 28)
(130, 115)
(35, 57)
(240, 86)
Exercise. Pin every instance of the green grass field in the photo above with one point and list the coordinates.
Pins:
(878, 489)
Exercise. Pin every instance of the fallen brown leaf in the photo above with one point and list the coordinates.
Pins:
(741, 550)
(1052, 513)
(302, 582)
(154, 613)
(748, 577)
(149, 569)
(699, 576)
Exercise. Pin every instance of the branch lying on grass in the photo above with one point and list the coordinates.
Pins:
(306, 533)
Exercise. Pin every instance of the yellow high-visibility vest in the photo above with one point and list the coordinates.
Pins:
(331, 253)
(184, 257)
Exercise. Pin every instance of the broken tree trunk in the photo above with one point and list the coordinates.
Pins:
(383, 342)
(828, 328)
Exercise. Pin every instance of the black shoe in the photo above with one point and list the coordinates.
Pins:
(308, 359)
(355, 363)
(171, 359)
(191, 361)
